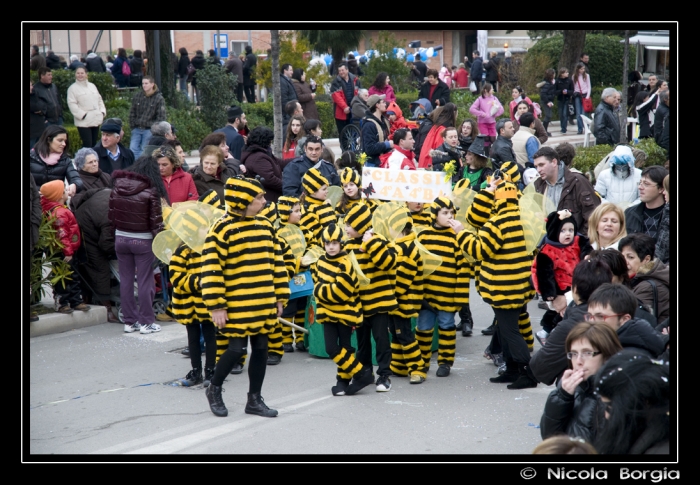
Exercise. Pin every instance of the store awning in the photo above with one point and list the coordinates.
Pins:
(658, 41)
(656, 47)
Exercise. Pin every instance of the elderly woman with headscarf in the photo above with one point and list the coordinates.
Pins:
(87, 163)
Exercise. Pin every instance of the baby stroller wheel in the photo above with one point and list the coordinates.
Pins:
(117, 310)
(350, 139)
(159, 307)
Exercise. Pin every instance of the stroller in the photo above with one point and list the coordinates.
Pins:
(420, 109)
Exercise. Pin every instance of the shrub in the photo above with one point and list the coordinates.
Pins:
(191, 129)
(119, 108)
(74, 141)
(606, 56)
(46, 255)
(588, 157)
(655, 154)
(218, 93)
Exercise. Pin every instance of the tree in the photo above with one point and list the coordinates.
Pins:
(623, 98)
(276, 94)
(166, 74)
(338, 41)
(574, 41)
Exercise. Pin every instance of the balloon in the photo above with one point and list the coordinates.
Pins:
(396, 49)
(410, 57)
(429, 52)
(328, 58)
(401, 53)
(355, 53)
(435, 54)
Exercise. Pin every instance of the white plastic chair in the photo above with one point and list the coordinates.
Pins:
(587, 131)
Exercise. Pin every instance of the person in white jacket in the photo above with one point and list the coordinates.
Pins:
(619, 183)
(87, 107)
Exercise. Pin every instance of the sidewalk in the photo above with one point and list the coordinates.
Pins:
(57, 322)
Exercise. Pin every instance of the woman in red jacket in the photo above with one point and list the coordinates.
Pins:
(178, 183)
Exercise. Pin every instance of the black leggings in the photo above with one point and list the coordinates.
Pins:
(232, 355)
(193, 335)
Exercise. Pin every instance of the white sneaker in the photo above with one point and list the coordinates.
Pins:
(152, 328)
(131, 328)
(383, 384)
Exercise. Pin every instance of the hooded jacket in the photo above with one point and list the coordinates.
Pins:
(613, 188)
(659, 273)
(146, 109)
(134, 205)
(64, 169)
(94, 63)
(66, 226)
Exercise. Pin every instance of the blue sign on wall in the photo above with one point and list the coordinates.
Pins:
(223, 44)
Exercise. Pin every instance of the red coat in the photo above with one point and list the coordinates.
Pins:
(181, 187)
(461, 78)
(400, 121)
(66, 225)
(432, 140)
(563, 261)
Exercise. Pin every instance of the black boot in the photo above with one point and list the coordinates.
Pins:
(256, 405)
(526, 380)
(193, 377)
(216, 403)
(360, 380)
(510, 375)
(208, 374)
(465, 316)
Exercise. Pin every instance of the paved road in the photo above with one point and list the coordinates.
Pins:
(98, 390)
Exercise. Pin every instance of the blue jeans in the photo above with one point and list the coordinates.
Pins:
(139, 139)
(183, 86)
(427, 316)
(563, 114)
(578, 106)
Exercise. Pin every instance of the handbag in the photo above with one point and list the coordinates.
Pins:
(190, 69)
(587, 105)
(472, 86)
(572, 110)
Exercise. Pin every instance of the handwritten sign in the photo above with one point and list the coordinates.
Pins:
(404, 185)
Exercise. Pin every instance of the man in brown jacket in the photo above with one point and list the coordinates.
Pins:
(566, 189)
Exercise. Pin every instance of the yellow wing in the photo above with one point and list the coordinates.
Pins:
(390, 219)
(191, 221)
(364, 281)
(164, 245)
(294, 238)
(430, 261)
(534, 208)
(335, 193)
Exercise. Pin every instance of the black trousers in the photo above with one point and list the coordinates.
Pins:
(249, 92)
(193, 335)
(239, 92)
(376, 326)
(88, 135)
(514, 347)
(68, 290)
(233, 354)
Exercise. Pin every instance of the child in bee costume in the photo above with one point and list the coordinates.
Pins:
(244, 287)
(406, 356)
(446, 291)
(187, 305)
(289, 212)
(337, 293)
(377, 260)
(352, 193)
(316, 214)
(504, 275)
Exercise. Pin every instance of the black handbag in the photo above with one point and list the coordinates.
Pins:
(572, 110)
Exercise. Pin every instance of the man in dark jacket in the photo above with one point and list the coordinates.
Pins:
(645, 217)
(477, 70)
(37, 60)
(421, 67)
(566, 189)
(249, 66)
(94, 63)
(47, 92)
(607, 125)
(437, 91)
(112, 155)
(297, 167)
(343, 88)
(235, 120)
(375, 130)
(52, 60)
(37, 116)
(502, 149)
(287, 93)
(235, 66)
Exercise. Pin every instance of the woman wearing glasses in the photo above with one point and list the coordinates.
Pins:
(573, 408)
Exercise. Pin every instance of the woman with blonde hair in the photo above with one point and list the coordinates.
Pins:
(606, 226)
(87, 107)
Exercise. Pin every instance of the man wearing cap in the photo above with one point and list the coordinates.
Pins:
(147, 107)
(375, 130)
(112, 155)
(235, 141)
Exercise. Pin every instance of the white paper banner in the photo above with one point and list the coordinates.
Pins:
(404, 185)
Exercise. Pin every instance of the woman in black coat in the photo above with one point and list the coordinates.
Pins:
(564, 90)
(48, 160)
(641, 109)
(547, 94)
(87, 163)
(198, 61)
(573, 408)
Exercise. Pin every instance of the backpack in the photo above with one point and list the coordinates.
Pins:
(126, 70)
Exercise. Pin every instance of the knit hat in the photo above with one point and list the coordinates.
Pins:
(112, 125)
(332, 233)
(285, 204)
(359, 217)
(269, 212)
(555, 221)
(349, 175)
(53, 191)
(439, 203)
(239, 192)
(313, 180)
(512, 170)
(374, 99)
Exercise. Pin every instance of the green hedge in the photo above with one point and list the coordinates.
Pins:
(587, 158)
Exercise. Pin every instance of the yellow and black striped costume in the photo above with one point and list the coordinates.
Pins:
(447, 289)
(422, 218)
(372, 204)
(406, 355)
(243, 272)
(315, 215)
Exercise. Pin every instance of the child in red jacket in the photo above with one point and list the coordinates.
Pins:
(53, 204)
